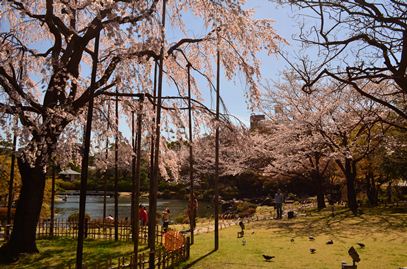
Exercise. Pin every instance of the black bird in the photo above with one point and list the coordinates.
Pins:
(292, 240)
(330, 242)
(312, 250)
(268, 258)
(311, 238)
(361, 245)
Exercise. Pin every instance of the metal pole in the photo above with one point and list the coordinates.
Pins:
(11, 182)
(216, 180)
(151, 236)
(106, 157)
(134, 207)
(85, 160)
(154, 179)
(192, 205)
(51, 226)
(116, 172)
(137, 176)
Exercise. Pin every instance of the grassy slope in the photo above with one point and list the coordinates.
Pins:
(385, 236)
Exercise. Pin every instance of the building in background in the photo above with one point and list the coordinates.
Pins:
(256, 121)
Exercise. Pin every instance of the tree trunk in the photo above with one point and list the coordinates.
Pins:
(320, 192)
(321, 200)
(371, 189)
(28, 210)
(350, 173)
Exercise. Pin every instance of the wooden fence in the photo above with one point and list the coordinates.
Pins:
(94, 229)
(163, 259)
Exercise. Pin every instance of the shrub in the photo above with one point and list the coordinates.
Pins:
(246, 209)
(74, 217)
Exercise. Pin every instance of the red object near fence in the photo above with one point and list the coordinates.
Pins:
(173, 240)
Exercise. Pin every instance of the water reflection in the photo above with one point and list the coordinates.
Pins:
(94, 206)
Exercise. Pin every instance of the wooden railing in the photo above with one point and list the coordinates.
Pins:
(163, 259)
(173, 247)
(93, 229)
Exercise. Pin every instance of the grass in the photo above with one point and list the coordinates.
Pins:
(59, 253)
(384, 232)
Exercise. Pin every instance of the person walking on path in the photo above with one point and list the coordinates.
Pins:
(279, 200)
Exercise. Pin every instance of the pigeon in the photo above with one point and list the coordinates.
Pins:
(292, 240)
(268, 258)
(330, 242)
(311, 238)
(312, 250)
(361, 245)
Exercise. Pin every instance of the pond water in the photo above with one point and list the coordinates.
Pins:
(94, 207)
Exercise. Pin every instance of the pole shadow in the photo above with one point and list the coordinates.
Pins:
(189, 265)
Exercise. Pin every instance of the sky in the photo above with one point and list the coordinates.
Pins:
(233, 92)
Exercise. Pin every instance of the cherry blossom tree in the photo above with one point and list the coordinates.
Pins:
(335, 123)
(299, 152)
(47, 50)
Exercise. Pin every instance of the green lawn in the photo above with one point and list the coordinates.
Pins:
(59, 253)
(384, 234)
(383, 231)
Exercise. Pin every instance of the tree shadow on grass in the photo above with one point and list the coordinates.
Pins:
(370, 221)
(61, 252)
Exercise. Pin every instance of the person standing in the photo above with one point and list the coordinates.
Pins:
(192, 211)
(279, 200)
(166, 219)
(144, 216)
(140, 214)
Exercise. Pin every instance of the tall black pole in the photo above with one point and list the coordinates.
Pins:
(215, 185)
(85, 159)
(134, 207)
(192, 205)
(106, 157)
(11, 181)
(151, 240)
(116, 172)
(51, 225)
(136, 189)
(154, 179)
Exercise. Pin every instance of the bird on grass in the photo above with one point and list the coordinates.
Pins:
(292, 240)
(312, 250)
(253, 232)
(244, 242)
(330, 242)
(268, 258)
(311, 238)
(361, 245)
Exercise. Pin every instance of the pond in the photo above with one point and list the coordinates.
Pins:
(94, 206)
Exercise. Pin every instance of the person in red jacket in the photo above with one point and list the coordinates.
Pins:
(143, 215)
